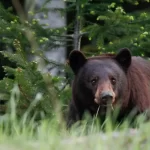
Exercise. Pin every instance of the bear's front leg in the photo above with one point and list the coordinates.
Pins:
(74, 114)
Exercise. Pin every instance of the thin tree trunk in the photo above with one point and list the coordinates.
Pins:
(77, 27)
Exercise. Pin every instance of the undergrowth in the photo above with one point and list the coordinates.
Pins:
(27, 133)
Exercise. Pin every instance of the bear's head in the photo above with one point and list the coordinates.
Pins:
(100, 80)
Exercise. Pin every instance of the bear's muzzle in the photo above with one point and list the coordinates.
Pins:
(106, 97)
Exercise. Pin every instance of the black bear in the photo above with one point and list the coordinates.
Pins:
(108, 81)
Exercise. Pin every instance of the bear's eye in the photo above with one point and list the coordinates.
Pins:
(94, 80)
(113, 81)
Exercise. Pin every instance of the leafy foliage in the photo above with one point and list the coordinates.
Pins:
(21, 40)
(31, 84)
(111, 25)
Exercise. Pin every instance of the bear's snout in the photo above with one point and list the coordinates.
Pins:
(106, 97)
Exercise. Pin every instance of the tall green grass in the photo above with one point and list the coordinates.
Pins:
(50, 134)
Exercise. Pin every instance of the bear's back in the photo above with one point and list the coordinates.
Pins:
(139, 82)
(141, 64)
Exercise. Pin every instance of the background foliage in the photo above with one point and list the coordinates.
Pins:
(104, 26)
(111, 25)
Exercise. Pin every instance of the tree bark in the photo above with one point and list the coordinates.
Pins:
(77, 27)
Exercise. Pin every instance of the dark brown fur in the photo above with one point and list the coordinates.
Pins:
(139, 83)
(132, 91)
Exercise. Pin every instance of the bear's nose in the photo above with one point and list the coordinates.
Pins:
(106, 96)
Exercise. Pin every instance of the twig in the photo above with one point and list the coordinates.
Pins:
(24, 94)
(63, 87)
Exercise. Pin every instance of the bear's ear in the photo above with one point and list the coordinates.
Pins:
(124, 58)
(76, 60)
